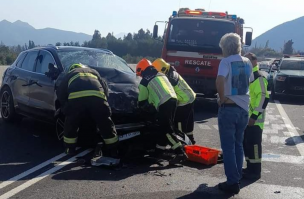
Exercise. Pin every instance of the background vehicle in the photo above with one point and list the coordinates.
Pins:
(28, 86)
(191, 45)
(264, 66)
(288, 79)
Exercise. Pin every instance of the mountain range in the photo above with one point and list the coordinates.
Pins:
(20, 32)
(291, 30)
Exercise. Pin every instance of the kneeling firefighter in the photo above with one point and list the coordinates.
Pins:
(184, 116)
(156, 89)
(83, 91)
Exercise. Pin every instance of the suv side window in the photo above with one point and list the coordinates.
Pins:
(43, 61)
(20, 59)
(30, 60)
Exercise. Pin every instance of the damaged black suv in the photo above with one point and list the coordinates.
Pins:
(29, 84)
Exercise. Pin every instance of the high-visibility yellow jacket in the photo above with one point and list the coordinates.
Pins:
(259, 98)
(154, 88)
(185, 95)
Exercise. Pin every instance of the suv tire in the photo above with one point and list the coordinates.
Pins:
(7, 109)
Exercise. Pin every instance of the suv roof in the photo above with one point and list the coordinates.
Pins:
(52, 47)
(294, 58)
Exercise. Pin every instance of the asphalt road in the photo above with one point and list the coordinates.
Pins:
(32, 164)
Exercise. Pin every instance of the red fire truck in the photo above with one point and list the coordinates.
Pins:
(191, 44)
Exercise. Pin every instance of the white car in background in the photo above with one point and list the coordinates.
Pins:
(264, 66)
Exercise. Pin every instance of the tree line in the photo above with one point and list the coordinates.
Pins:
(132, 47)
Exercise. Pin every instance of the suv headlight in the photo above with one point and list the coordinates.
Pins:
(281, 78)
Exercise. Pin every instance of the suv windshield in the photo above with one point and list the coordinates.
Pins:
(92, 58)
(197, 34)
(292, 65)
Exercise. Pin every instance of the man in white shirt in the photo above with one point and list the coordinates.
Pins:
(232, 84)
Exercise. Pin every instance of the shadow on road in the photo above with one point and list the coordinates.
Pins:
(24, 145)
(146, 166)
(291, 100)
(290, 141)
(203, 191)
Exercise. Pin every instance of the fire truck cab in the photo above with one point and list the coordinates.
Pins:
(191, 44)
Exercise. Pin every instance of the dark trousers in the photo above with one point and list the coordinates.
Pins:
(166, 121)
(253, 148)
(184, 119)
(89, 107)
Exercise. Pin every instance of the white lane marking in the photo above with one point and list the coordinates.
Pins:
(282, 158)
(270, 131)
(278, 140)
(216, 127)
(293, 133)
(204, 127)
(32, 170)
(43, 175)
(277, 126)
(13, 164)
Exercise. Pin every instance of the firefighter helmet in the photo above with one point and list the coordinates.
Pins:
(74, 66)
(142, 65)
(161, 65)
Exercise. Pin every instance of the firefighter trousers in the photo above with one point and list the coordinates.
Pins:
(94, 108)
(253, 149)
(184, 119)
(166, 121)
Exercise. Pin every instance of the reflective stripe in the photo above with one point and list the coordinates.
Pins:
(260, 107)
(190, 133)
(185, 88)
(262, 119)
(256, 151)
(87, 93)
(255, 161)
(82, 75)
(111, 140)
(180, 126)
(70, 140)
(161, 147)
(156, 88)
(175, 144)
(161, 94)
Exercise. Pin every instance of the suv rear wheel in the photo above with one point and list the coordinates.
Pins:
(7, 109)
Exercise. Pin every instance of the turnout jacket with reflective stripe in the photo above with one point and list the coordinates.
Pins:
(259, 98)
(154, 88)
(82, 82)
(185, 95)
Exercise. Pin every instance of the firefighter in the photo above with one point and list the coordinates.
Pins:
(259, 98)
(184, 116)
(155, 89)
(83, 91)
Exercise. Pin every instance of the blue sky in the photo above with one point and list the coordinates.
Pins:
(130, 15)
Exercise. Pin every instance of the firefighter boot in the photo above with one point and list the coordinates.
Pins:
(109, 158)
(179, 157)
(191, 137)
(70, 150)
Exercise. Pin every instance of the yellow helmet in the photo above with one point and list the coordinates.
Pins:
(161, 65)
(74, 66)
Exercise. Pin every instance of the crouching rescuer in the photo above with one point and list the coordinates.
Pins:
(184, 116)
(259, 98)
(83, 93)
(156, 90)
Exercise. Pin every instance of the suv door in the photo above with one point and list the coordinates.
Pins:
(21, 80)
(42, 91)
